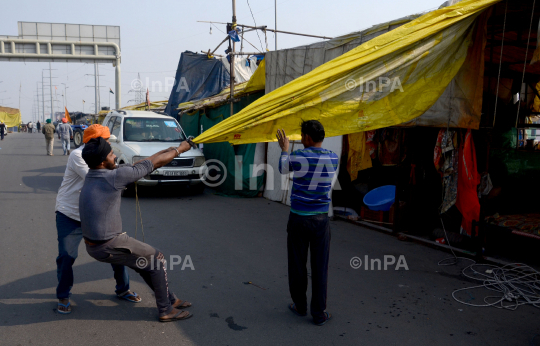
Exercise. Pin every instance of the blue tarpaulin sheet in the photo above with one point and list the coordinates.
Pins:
(197, 77)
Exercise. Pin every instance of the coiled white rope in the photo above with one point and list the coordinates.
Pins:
(517, 284)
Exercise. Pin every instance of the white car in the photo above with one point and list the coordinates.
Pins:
(136, 135)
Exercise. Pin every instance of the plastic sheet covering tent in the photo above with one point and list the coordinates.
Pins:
(197, 77)
(460, 105)
(243, 178)
(289, 64)
(10, 116)
(258, 79)
(286, 65)
(244, 67)
(423, 55)
(255, 83)
(212, 101)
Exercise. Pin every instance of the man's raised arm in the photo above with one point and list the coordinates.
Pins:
(163, 157)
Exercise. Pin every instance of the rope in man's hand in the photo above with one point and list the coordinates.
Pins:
(190, 141)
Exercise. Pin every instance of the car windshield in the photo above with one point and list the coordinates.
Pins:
(152, 130)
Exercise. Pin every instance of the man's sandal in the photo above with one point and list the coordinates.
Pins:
(181, 315)
(328, 317)
(181, 304)
(130, 297)
(293, 308)
(66, 306)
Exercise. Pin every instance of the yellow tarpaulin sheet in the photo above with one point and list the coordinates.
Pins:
(258, 79)
(10, 116)
(386, 81)
(359, 158)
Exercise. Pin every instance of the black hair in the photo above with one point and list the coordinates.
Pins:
(96, 151)
(314, 129)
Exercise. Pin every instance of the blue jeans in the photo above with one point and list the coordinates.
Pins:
(69, 238)
(65, 145)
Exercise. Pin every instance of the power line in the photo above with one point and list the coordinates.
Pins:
(257, 31)
(139, 92)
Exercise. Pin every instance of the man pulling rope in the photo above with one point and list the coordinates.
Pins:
(99, 206)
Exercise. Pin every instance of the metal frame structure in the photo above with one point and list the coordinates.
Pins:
(30, 50)
(62, 42)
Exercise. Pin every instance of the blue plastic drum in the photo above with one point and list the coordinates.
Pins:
(381, 198)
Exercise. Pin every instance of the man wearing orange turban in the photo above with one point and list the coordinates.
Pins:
(95, 131)
(68, 226)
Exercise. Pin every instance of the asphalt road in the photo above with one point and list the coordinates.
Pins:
(230, 241)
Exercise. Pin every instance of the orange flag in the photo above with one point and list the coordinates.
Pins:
(67, 115)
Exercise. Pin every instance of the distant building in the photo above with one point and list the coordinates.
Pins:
(58, 115)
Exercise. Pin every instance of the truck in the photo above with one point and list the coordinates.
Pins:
(81, 121)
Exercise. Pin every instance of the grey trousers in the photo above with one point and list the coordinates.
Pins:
(144, 259)
(50, 145)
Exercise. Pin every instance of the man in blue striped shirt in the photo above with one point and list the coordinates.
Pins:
(313, 170)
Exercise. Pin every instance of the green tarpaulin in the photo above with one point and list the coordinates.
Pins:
(237, 159)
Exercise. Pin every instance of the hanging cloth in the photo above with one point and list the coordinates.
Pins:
(468, 180)
(389, 142)
(359, 154)
(372, 143)
(446, 161)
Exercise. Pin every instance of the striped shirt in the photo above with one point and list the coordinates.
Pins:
(314, 168)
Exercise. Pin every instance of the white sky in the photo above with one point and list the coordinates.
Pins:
(154, 34)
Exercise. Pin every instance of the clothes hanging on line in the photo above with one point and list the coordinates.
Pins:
(468, 179)
(359, 154)
(389, 146)
(446, 161)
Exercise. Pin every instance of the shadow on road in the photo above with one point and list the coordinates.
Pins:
(18, 308)
(167, 191)
(49, 170)
(43, 183)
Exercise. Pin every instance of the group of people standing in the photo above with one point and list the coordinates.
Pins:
(88, 207)
(64, 132)
(29, 127)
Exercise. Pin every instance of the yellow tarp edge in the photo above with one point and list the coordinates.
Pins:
(424, 54)
(258, 79)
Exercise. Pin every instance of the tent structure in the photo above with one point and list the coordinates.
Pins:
(241, 161)
(10, 116)
(420, 70)
(388, 80)
(286, 65)
(199, 76)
